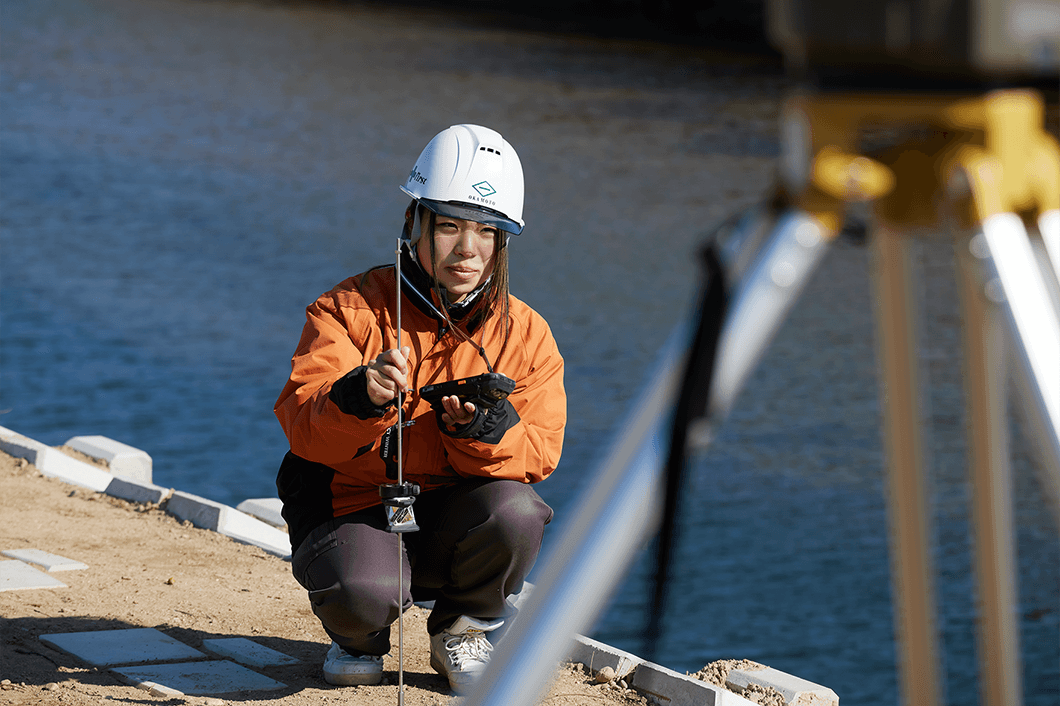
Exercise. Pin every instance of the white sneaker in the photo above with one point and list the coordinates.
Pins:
(342, 669)
(461, 652)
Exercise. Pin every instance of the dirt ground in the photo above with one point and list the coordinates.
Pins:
(147, 569)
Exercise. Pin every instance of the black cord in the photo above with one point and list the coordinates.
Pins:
(691, 405)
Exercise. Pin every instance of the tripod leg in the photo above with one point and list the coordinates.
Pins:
(991, 481)
(908, 517)
(762, 299)
(1035, 332)
(1049, 225)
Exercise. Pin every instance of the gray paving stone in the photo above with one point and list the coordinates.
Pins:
(124, 460)
(48, 562)
(247, 652)
(108, 648)
(20, 576)
(198, 678)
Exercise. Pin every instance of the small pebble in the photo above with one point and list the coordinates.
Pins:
(605, 675)
(622, 683)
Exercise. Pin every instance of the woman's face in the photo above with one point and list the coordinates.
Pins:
(463, 254)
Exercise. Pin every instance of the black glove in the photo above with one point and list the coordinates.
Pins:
(488, 424)
(350, 395)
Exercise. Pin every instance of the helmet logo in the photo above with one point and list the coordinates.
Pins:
(415, 176)
(484, 188)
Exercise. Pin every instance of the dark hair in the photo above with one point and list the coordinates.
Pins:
(493, 300)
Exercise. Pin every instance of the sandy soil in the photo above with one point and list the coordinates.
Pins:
(147, 569)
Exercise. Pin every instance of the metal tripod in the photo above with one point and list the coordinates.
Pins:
(983, 162)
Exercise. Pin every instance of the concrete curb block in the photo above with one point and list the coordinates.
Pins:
(265, 509)
(228, 521)
(137, 491)
(673, 689)
(676, 689)
(596, 655)
(53, 463)
(796, 691)
(19, 446)
(184, 506)
(124, 460)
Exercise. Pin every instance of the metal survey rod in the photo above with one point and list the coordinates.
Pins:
(619, 509)
(398, 498)
(400, 480)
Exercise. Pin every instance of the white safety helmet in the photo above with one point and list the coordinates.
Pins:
(470, 172)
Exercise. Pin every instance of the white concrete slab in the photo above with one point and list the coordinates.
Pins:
(20, 576)
(124, 460)
(108, 648)
(198, 678)
(247, 652)
(265, 509)
(48, 562)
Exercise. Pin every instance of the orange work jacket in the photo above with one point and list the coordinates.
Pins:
(355, 322)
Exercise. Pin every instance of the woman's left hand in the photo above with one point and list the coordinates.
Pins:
(456, 414)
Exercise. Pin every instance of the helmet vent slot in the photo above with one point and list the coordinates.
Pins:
(490, 150)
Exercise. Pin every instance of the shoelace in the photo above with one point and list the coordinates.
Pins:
(469, 646)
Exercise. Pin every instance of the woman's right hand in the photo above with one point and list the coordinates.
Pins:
(386, 375)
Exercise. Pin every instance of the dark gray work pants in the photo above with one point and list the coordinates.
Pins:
(477, 542)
